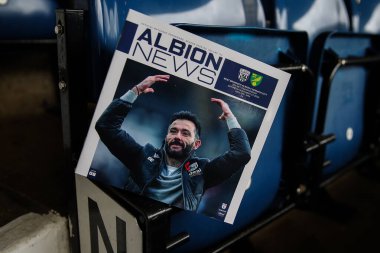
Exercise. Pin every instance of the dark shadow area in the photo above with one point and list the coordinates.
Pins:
(343, 218)
(33, 177)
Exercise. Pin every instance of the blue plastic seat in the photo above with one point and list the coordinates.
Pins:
(342, 73)
(267, 46)
(337, 113)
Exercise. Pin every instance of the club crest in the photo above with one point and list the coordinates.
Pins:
(243, 75)
(256, 79)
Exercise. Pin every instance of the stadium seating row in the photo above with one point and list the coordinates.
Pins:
(326, 111)
(327, 120)
(323, 120)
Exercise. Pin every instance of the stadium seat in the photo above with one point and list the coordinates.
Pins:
(343, 70)
(279, 48)
(324, 20)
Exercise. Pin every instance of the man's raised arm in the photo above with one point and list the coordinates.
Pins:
(108, 126)
(227, 114)
(239, 154)
(145, 86)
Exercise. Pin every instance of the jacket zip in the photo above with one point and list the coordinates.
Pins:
(159, 171)
(154, 177)
(181, 167)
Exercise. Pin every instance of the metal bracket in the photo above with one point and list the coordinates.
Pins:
(70, 33)
(69, 29)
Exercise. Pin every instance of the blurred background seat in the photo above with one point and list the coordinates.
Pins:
(30, 20)
(346, 65)
(312, 16)
(365, 16)
(107, 19)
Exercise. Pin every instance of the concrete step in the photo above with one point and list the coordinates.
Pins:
(35, 233)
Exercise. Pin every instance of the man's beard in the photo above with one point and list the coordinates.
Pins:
(181, 154)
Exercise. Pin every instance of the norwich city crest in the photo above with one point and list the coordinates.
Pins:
(256, 79)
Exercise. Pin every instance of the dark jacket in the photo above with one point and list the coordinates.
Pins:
(146, 162)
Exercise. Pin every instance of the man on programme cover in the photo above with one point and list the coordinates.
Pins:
(172, 174)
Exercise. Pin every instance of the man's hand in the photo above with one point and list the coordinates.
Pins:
(145, 85)
(225, 108)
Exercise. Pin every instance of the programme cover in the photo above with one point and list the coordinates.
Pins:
(223, 104)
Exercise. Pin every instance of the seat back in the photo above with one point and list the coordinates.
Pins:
(269, 47)
(323, 20)
(343, 75)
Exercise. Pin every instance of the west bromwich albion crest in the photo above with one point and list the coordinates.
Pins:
(243, 75)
